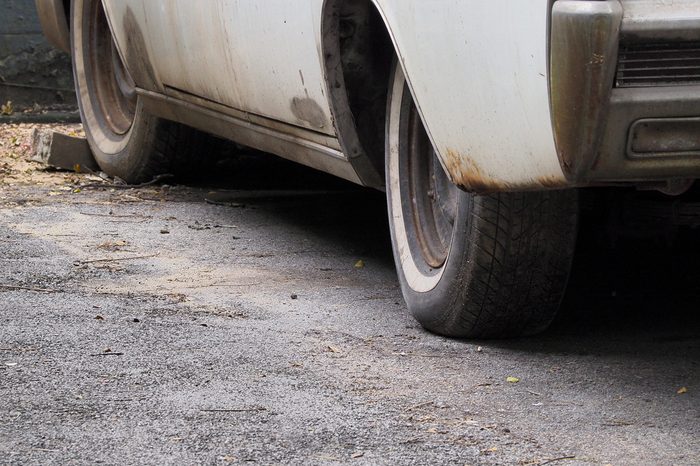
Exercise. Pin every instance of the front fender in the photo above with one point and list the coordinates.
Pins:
(478, 74)
(54, 23)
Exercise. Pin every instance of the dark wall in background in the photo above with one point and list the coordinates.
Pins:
(31, 71)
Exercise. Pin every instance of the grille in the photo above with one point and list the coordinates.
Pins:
(667, 64)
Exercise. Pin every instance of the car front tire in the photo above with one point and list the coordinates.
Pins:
(471, 266)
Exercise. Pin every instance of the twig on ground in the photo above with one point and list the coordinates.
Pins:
(234, 410)
(561, 458)
(90, 214)
(116, 259)
(618, 423)
(220, 285)
(419, 405)
(108, 354)
(155, 180)
(143, 220)
(28, 288)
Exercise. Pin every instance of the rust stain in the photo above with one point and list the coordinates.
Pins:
(468, 175)
(309, 111)
(550, 181)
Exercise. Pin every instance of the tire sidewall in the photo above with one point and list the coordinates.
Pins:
(113, 152)
(429, 296)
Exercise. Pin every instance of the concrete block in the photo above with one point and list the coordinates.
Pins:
(62, 151)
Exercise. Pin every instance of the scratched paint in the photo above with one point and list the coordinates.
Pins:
(238, 53)
(310, 112)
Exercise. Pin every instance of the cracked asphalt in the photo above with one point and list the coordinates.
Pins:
(229, 324)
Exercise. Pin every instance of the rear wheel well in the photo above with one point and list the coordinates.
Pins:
(66, 10)
(358, 53)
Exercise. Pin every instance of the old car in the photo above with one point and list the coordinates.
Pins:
(478, 118)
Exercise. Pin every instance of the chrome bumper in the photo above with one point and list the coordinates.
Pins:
(617, 116)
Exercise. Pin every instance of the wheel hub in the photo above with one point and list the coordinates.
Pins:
(114, 89)
(434, 198)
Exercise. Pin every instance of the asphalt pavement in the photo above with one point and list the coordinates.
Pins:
(259, 320)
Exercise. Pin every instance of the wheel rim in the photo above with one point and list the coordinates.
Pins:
(430, 198)
(114, 90)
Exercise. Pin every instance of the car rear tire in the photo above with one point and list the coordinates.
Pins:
(471, 266)
(127, 142)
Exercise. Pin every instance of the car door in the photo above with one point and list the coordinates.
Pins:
(258, 57)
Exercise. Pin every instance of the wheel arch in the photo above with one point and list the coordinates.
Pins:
(54, 16)
(357, 51)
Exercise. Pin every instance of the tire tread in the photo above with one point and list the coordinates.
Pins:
(520, 252)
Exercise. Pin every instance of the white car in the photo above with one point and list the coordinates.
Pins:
(478, 118)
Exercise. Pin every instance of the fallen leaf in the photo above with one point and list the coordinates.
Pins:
(7, 108)
(98, 317)
(334, 349)
(512, 380)
(682, 390)
(360, 264)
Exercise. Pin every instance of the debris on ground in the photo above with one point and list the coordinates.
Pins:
(7, 108)
(63, 151)
(17, 167)
(343, 371)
